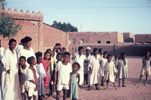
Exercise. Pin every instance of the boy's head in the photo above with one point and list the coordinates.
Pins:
(105, 53)
(95, 51)
(31, 61)
(27, 41)
(66, 57)
(116, 57)
(123, 55)
(100, 51)
(22, 41)
(46, 55)
(59, 56)
(22, 60)
(57, 46)
(75, 66)
(88, 50)
(147, 54)
(12, 44)
(81, 49)
(63, 49)
(109, 57)
(38, 57)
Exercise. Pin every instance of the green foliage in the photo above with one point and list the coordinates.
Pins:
(66, 27)
(2, 4)
(8, 27)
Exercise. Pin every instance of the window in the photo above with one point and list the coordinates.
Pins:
(98, 42)
(82, 40)
(73, 41)
(107, 42)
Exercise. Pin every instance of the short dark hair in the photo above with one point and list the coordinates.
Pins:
(76, 63)
(22, 40)
(30, 60)
(100, 49)
(48, 50)
(81, 47)
(95, 49)
(66, 53)
(11, 40)
(38, 54)
(58, 54)
(58, 44)
(105, 52)
(109, 55)
(27, 39)
(22, 57)
(123, 53)
(63, 48)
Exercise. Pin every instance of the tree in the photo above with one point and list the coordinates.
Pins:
(66, 27)
(8, 27)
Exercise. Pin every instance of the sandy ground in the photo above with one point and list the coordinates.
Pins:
(132, 91)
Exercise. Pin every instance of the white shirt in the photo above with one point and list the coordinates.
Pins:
(58, 67)
(2, 51)
(64, 73)
(80, 60)
(18, 48)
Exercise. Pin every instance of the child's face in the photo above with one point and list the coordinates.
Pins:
(105, 55)
(75, 68)
(81, 51)
(147, 54)
(22, 62)
(59, 58)
(63, 50)
(34, 62)
(100, 51)
(39, 59)
(88, 51)
(12, 45)
(96, 52)
(47, 56)
(66, 58)
(28, 44)
(110, 58)
(116, 58)
(124, 56)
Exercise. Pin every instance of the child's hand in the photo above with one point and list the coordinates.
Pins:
(8, 72)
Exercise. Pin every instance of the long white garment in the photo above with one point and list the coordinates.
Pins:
(18, 48)
(122, 69)
(80, 60)
(27, 54)
(109, 71)
(42, 75)
(95, 66)
(103, 62)
(2, 51)
(87, 64)
(10, 82)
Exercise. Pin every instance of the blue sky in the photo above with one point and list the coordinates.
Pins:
(93, 15)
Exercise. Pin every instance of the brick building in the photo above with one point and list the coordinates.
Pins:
(143, 38)
(43, 35)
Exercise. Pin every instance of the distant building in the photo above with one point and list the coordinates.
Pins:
(143, 38)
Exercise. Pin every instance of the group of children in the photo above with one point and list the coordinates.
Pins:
(57, 72)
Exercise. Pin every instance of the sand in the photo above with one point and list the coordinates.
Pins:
(132, 91)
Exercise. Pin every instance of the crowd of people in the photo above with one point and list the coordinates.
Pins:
(28, 75)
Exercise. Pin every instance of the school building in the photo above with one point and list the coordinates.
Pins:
(43, 35)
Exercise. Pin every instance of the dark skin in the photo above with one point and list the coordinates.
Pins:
(64, 62)
(27, 45)
(81, 52)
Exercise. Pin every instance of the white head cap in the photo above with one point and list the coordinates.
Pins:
(88, 48)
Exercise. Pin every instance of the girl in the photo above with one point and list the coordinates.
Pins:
(46, 64)
(146, 62)
(122, 69)
(41, 73)
(74, 81)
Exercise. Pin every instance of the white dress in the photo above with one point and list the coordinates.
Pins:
(80, 60)
(86, 64)
(18, 48)
(95, 66)
(10, 82)
(122, 69)
(109, 71)
(42, 75)
(103, 62)
(146, 67)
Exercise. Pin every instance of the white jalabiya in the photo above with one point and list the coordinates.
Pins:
(27, 54)
(109, 71)
(95, 66)
(87, 64)
(18, 48)
(10, 82)
(102, 65)
(122, 69)
(80, 60)
(2, 51)
(42, 75)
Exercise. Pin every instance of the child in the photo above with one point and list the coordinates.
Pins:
(110, 71)
(116, 59)
(146, 62)
(41, 73)
(100, 55)
(80, 59)
(86, 64)
(74, 81)
(102, 64)
(94, 70)
(122, 69)
(46, 64)
(63, 76)
(32, 79)
(22, 75)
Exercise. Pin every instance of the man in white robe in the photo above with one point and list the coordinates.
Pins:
(10, 78)
(80, 59)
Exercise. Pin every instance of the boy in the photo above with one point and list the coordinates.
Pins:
(100, 55)
(22, 75)
(86, 64)
(63, 76)
(80, 59)
(110, 71)
(122, 69)
(32, 79)
(27, 51)
(63, 50)
(94, 70)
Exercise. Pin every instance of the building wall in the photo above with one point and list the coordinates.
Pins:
(143, 38)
